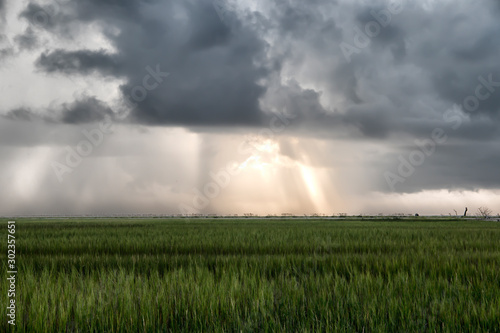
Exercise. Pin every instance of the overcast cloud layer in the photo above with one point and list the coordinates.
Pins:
(375, 99)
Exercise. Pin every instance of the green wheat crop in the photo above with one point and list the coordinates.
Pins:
(222, 275)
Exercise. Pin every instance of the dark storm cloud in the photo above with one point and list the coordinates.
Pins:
(217, 68)
(27, 40)
(397, 88)
(81, 62)
(422, 55)
(39, 16)
(21, 114)
(214, 66)
(81, 111)
(87, 110)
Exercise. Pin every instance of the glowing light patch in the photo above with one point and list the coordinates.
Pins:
(310, 182)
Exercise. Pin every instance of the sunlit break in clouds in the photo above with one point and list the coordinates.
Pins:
(238, 107)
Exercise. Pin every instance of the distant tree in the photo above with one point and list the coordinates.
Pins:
(484, 212)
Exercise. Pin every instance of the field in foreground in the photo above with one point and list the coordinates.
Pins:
(155, 275)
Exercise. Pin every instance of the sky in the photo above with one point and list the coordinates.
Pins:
(237, 107)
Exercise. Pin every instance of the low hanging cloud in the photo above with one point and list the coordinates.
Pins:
(81, 111)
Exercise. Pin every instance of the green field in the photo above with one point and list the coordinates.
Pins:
(162, 275)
